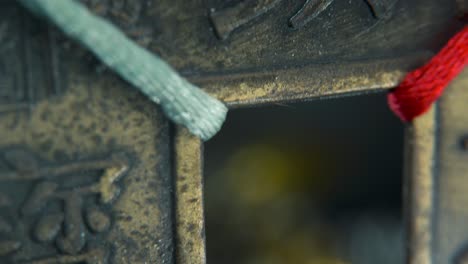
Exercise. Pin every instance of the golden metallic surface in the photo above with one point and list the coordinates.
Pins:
(380, 75)
(437, 177)
(188, 176)
(419, 185)
(307, 82)
(450, 228)
(80, 132)
(152, 209)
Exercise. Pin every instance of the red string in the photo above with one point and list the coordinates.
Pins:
(423, 86)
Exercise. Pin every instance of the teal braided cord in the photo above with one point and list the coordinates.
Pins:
(182, 102)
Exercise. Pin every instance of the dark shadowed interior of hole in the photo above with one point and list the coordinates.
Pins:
(304, 183)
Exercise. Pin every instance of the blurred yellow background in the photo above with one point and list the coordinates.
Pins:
(308, 183)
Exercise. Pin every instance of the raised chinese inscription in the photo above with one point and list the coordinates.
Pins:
(63, 208)
(227, 20)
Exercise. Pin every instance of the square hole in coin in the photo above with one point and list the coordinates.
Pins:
(304, 183)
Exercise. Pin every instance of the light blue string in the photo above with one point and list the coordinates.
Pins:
(182, 102)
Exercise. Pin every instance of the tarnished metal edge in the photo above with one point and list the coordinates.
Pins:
(308, 81)
(189, 210)
(190, 234)
(419, 186)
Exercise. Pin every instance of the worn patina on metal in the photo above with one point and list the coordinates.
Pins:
(91, 171)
